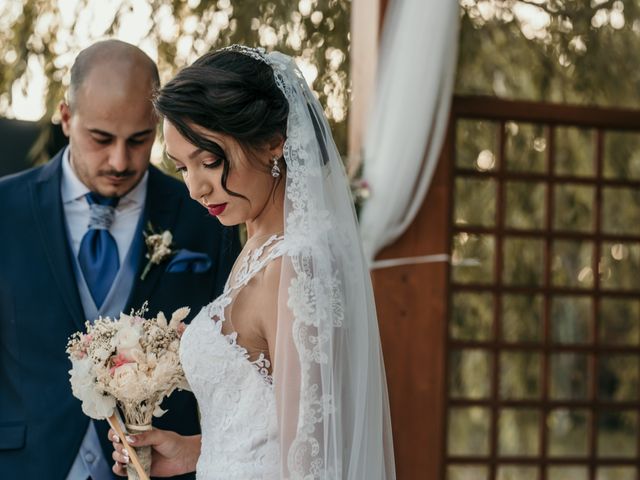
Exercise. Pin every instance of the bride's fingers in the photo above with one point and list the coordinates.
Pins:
(118, 447)
(113, 436)
(119, 469)
(120, 455)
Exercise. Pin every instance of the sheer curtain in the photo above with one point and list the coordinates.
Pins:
(404, 136)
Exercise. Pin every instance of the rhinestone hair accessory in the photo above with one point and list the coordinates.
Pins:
(257, 53)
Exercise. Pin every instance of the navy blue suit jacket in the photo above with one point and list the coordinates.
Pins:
(41, 423)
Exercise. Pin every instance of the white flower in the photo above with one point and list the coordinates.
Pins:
(81, 375)
(127, 383)
(166, 366)
(161, 320)
(151, 360)
(102, 353)
(128, 337)
(167, 238)
(178, 316)
(95, 403)
(98, 405)
(158, 248)
(160, 253)
(131, 362)
(174, 346)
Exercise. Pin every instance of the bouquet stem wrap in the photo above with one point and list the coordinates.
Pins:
(143, 453)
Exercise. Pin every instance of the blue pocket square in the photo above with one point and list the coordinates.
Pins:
(188, 261)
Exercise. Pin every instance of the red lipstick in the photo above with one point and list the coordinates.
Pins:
(215, 210)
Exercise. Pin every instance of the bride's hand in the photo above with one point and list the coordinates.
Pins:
(172, 454)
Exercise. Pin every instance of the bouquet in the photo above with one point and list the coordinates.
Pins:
(131, 363)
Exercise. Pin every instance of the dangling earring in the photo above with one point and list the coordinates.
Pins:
(275, 169)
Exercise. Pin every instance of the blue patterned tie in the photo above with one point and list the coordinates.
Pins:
(98, 255)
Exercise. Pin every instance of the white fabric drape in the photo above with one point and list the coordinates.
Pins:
(403, 139)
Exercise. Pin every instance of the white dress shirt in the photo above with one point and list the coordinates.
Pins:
(77, 211)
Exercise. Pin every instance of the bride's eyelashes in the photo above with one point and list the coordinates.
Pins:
(179, 168)
(215, 164)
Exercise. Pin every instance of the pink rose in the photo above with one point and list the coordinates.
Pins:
(118, 361)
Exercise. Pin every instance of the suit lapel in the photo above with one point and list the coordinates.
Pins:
(161, 211)
(48, 213)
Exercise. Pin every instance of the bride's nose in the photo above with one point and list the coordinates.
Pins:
(198, 188)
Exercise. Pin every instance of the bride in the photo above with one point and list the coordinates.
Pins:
(286, 364)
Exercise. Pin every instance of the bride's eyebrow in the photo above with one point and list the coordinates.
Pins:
(170, 157)
(191, 156)
(196, 153)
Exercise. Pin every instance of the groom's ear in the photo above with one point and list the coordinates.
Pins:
(65, 117)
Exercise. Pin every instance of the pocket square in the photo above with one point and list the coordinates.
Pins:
(188, 261)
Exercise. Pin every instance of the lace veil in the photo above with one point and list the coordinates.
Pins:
(329, 375)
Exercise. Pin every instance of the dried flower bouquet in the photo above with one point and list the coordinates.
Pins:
(130, 362)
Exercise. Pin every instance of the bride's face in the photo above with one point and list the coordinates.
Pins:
(202, 173)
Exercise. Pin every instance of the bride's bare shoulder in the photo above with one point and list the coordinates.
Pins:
(264, 292)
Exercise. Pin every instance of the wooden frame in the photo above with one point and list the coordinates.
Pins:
(414, 301)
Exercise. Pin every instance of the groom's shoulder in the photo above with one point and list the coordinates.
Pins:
(18, 183)
(166, 182)
(176, 189)
(189, 212)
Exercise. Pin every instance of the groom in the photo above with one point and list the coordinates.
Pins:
(72, 248)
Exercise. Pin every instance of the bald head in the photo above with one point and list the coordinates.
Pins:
(113, 64)
(109, 117)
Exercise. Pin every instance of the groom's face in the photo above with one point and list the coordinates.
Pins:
(111, 128)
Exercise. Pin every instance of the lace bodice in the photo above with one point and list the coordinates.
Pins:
(235, 394)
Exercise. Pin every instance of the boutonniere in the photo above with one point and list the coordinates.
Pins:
(158, 248)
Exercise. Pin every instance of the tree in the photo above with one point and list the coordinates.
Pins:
(568, 51)
(47, 34)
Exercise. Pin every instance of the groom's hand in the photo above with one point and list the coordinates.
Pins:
(172, 454)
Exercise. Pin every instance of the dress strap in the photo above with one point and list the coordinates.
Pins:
(254, 261)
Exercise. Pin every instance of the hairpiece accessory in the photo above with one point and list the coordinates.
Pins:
(275, 169)
(257, 53)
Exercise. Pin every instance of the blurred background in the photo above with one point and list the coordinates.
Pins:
(509, 298)
(40, 40)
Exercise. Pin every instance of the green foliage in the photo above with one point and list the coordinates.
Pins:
(569, 51)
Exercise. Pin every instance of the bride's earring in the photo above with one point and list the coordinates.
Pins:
(275, 169)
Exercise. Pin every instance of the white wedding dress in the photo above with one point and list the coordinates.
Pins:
(235, 394)
(331, 419)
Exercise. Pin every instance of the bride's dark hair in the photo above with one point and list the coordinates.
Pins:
(227, 92)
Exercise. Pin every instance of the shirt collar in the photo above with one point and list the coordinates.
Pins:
(73, 189)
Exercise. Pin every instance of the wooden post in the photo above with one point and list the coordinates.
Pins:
(365, 31)
(412, 314)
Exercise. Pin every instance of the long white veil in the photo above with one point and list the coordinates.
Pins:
(329, 375)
